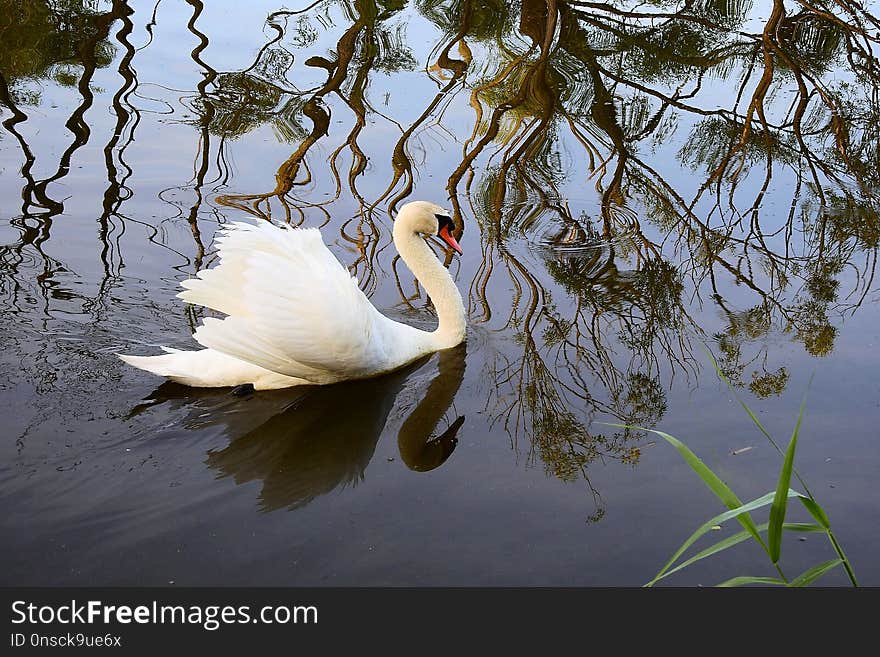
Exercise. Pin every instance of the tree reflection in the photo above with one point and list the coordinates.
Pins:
(625, 165)
(619, 83)
(65, 42)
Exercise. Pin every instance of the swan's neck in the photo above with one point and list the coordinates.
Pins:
(437, 283)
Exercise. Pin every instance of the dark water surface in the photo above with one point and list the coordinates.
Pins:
(634, 182)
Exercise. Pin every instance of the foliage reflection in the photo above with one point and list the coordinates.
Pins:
(624, 166)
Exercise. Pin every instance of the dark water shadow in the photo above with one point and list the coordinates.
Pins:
(302, 443)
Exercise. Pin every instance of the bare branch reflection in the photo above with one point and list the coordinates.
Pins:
(626, 176)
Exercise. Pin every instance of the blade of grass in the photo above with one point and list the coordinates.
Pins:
(723, 544)
(721, 490)
(745, 406)
(816, 511)
(779, 505)
(740, 581)
(764, 500)
(802, 527)
(809, 576)
(846, 564)
(730, 541)
(780, 502)
(752, 415)
(808, 501)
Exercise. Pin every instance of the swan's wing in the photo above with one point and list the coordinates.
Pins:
(292, 307)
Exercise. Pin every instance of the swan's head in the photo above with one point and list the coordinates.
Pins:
(427, 218)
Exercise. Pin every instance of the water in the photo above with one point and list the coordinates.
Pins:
(618, 215)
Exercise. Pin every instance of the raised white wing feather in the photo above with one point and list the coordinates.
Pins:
(293, 308)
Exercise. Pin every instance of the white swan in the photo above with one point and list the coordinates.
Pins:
(296, 316)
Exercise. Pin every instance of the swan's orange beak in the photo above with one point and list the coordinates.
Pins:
(445, 235)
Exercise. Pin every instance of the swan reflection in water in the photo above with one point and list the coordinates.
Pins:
(309, 442)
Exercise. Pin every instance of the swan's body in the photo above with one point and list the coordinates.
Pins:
(295, 315)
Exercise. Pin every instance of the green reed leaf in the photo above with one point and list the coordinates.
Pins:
(809, 576)
(745, 406)
(721, 490)
(802, 527)
(816, 511)
(777, 511)
(764, 500)
(723, 544)
(737, 538)
(743, 580)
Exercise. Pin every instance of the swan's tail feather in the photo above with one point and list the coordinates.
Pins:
(207, 368)
(172, 364)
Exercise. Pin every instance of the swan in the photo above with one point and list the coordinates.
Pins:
(295, 316)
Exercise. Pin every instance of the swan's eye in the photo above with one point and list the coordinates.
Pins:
(445, 228)
(444, 222)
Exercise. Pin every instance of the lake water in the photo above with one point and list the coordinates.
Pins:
(638, 186)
